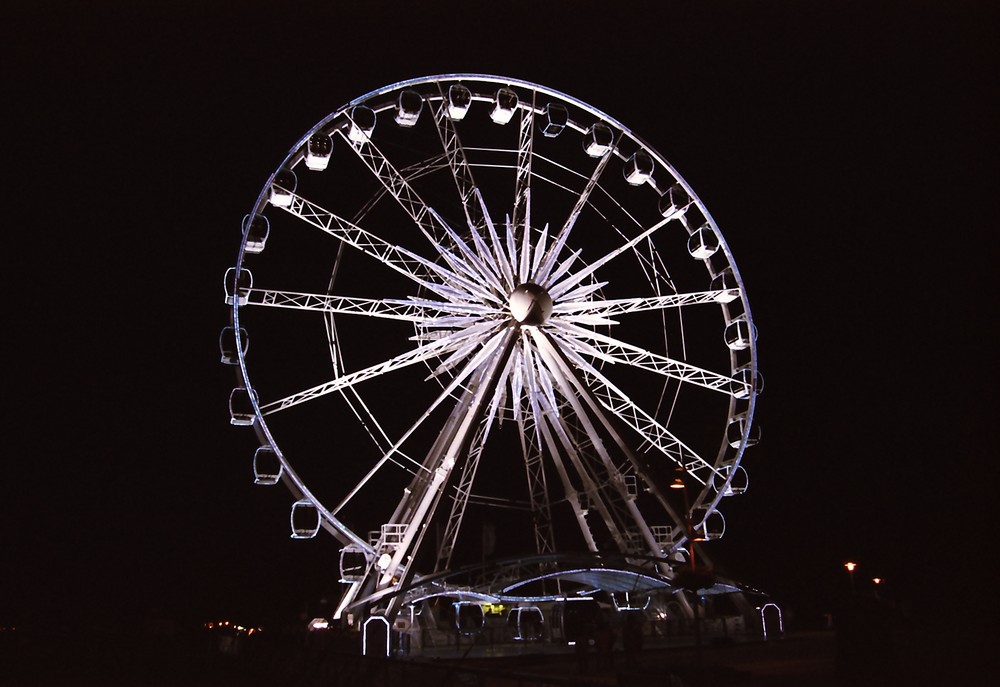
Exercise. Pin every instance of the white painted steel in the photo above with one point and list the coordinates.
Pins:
(581, 314)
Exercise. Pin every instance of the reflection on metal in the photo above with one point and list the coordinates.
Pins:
(494, 294)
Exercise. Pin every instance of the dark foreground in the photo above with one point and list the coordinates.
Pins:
(818, 658)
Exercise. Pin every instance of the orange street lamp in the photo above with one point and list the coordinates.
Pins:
(851, 567)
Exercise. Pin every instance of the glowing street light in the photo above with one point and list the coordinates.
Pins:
(851, 567)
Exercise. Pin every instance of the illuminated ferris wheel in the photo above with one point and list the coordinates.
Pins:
(475, 300)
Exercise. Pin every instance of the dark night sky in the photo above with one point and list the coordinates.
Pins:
(847, 149)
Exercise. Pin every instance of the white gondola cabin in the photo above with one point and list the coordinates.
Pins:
(703, 243)
(599, 140)
(267, 466)
(353, 564)
(238, 285)
(459, 100)
(241, 410)
(527, 623)
(319, 147)
(469, 618)
(409, 105)
(745, 382)
(707, 525)
(737, 484)
(737, 428)
(724, 283)
(674, 201)
(740, 334)
(362, 123)
(638, 168)
(554, 120)
(257, 229)
(504, 106)
(304, 519)
(229, 351)
(282, 187)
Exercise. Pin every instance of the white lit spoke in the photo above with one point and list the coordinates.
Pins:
(468, 263)
(543, 409)
(568, 444)
(391, 256)
(617, 402)
(522, 176)
(457, 163)
(557, 290)
(487, 350)
(428, 351)
(614, 351)
(425, 312)
(468, 474)
(503, 260)
(531, 441)
(622, 306)
(397, 186)
(543, 268)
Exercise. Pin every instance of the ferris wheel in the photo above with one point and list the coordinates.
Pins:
(488, 318)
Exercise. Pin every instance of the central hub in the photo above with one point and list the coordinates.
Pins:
(530, 304)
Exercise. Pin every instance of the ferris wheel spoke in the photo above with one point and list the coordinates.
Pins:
(545, 266)
(463, 488)
(422, 498)
(599, 388)
(454, 285)
(430, 275)
(393, 257)
(615, 351)
(427, 351)
(487, 257)
(457, 162)
(581, 292)
(424, 312)
(397, 186)
(565, 266)
(579, 393)
(501, 259)
(613, 493)
(543, 407)
(592, 481)
(488, 349)
(410, 173)
(468, 261)
(522, 176)
(531, 440)
(621, 306)
(557, 290)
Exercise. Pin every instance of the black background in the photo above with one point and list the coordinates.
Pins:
(847, 150)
